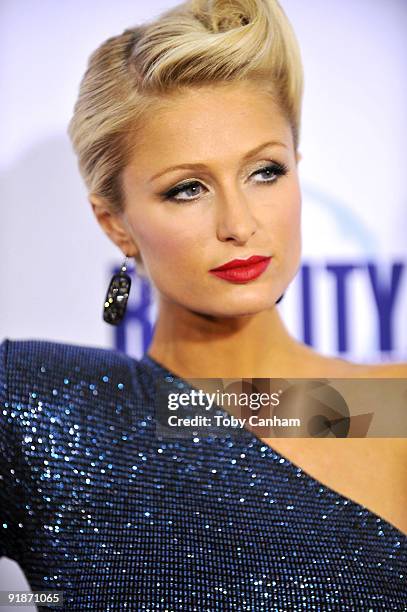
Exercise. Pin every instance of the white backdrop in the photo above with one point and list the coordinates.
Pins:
(55, 261)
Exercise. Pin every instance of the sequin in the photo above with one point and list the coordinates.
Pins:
(93, 502)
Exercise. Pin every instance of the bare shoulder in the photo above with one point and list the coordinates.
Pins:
(316, 365)
(371, 471)
(388, 370)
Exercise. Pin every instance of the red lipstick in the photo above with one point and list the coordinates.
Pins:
(242, 270)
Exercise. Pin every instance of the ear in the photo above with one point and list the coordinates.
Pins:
(113, 225)
(298, 157)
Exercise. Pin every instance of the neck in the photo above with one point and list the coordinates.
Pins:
(194, 345)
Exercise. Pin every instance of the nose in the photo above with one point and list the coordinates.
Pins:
(234, 218)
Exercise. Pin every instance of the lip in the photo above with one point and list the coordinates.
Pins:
(242, 270)
(240, 263)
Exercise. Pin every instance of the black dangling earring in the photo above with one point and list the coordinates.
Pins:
(280, 298)
(117, 296)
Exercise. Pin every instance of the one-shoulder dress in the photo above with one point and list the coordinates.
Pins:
(95, 504)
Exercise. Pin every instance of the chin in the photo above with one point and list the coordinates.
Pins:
(234, 308)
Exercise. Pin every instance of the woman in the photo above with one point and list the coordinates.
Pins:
(95, 503)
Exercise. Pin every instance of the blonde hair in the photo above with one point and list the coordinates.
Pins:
(198, 42)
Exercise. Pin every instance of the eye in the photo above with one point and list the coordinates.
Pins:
(192, 187)
(273, 172)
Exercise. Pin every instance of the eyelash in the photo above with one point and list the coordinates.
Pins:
(277, 169)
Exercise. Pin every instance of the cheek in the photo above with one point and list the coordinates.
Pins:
(287, 214)
(293, 229)
(164, 239)
(287, 231)
(292, 218)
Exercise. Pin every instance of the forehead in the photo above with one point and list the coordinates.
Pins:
(213, 126)
(211, 115)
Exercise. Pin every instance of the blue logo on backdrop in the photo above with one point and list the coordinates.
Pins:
(384, 297)
(384, 280)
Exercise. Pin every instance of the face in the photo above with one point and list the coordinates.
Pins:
(238, 197)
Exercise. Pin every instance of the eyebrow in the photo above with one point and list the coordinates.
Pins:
(271, 143)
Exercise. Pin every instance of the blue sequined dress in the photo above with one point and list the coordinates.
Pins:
(93, 503)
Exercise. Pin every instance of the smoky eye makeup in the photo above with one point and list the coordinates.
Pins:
(272, 170)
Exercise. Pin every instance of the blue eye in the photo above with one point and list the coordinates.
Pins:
(191, 187)
(274, 171)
